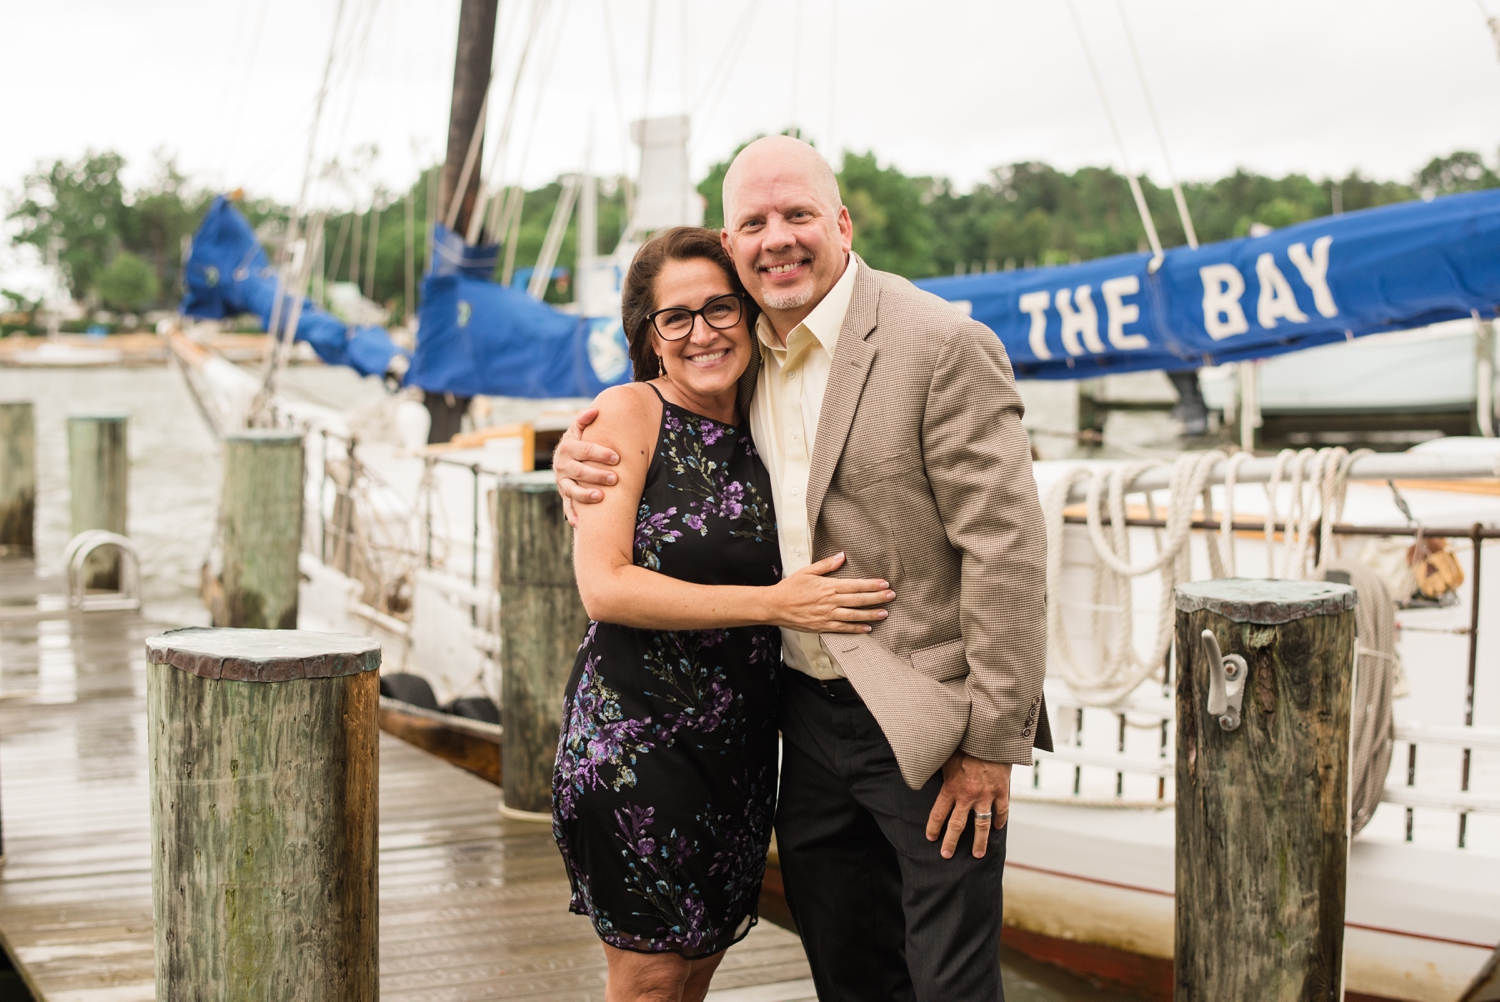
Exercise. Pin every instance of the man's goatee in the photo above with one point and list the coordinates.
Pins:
(790, 300)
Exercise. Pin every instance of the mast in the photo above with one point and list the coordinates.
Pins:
(471, 80)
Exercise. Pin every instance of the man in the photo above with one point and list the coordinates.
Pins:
(890, 424)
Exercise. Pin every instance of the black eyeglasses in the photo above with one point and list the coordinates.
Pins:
(721, 313)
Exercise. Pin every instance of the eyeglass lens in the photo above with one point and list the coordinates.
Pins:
(720, 313)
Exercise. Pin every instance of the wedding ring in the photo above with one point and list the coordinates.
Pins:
(984, 816)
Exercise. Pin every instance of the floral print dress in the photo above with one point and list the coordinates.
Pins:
(665, 783)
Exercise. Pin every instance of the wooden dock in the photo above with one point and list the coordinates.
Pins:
(472, 906)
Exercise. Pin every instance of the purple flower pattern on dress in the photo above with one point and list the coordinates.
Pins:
(598, 746)
(651, 534)
(684, 870)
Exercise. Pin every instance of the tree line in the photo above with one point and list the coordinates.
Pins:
(121, 248)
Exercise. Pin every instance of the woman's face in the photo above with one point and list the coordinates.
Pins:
(708, 361)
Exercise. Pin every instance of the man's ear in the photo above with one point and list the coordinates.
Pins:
(846, 228)
(724, 242)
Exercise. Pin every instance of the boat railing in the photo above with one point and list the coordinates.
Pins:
(441, 536)
(1139, 772)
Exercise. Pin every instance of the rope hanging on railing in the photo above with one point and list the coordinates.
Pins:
(1316, 481)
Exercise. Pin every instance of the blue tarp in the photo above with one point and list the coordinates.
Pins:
(227, 274)
(1325, 280)
(480, 337)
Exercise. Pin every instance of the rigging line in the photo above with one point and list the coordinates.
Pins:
(685, 50)
(359, 52)
(494, 160)
(291, 230)
(542, 80)
(476, 140)
(650, 58)
(245, 73)
(723, 61)
(1109, 114)
(502, 152)
(614, 79)
(796, 62)
(502, 142)
(727, 62)
(833, 71)
(1161, 136)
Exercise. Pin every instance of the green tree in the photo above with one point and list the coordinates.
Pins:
(82, 204)
(1460, 171)
(128, 283)
(892, 229)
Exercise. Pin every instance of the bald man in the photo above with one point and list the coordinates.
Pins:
(891, 427)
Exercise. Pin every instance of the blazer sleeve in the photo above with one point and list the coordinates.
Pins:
(978, 461)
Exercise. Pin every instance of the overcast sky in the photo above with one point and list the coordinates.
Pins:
(950, 87)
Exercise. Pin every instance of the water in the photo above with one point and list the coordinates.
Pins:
(175, 479)
(175, 470)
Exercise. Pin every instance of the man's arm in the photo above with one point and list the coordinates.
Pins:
(577, 464)
(978, 462)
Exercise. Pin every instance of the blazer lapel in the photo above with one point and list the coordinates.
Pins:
(851, 366)
(748, 379)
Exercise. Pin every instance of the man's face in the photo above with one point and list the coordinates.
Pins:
(788, 245)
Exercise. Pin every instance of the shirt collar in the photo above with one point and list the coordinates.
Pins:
(826, 319)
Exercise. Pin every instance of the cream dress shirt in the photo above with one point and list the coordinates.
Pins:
(784, 420)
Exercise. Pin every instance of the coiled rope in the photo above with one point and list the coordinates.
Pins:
(1316, 481)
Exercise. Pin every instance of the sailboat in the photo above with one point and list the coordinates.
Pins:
(399, 539)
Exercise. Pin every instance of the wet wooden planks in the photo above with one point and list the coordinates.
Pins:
(472, 906)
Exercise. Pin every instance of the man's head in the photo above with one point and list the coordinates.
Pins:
(785, 226)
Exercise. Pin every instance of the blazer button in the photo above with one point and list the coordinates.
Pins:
(1026, 732)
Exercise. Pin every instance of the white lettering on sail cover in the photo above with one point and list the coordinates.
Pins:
(1035, 303)
(1223, 285)
(1083, 319)
(1277, 301)
(1314, 271)
(1120, 313)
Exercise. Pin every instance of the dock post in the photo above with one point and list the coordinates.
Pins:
(264, 764)
(261, 523)
(99, 485)
(1262, 788)
(17, 478)
(542, 622)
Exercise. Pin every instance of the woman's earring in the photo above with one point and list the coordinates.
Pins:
(661, 366)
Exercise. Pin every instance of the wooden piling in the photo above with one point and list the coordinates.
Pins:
(17, 479)
(264, 806)
(542, 622)
(261, 524)
(1262, 809)
(99, 486)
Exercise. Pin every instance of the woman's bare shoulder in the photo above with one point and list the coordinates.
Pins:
(628, 413)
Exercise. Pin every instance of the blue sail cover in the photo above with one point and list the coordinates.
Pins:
(480, 337)
(228, 274)
(1389, 268)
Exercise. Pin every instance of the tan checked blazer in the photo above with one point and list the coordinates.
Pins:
(921, 474)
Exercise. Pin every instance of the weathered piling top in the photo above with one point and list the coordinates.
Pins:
(257, 436)
(1266, 601)
(263, 655)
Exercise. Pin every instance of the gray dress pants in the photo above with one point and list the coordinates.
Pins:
(883, 917)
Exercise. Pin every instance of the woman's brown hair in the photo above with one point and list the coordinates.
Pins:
(638, 300)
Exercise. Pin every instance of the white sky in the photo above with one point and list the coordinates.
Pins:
(948, 87)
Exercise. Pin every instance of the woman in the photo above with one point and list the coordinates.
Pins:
(665, 784)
